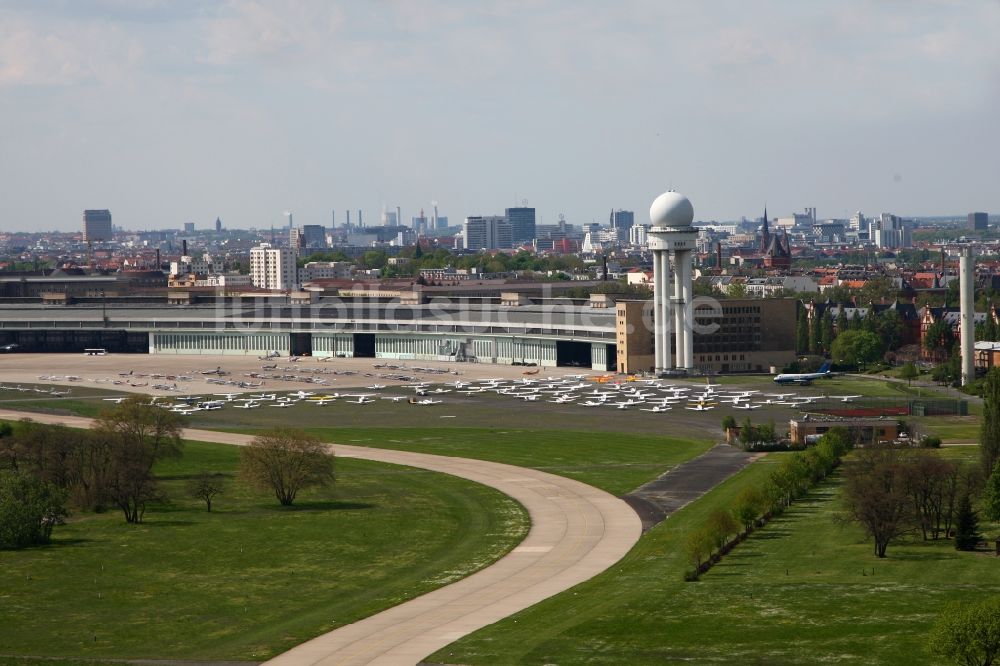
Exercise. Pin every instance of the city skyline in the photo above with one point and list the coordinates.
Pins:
(167, 113)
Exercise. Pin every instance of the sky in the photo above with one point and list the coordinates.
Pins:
(173, 111)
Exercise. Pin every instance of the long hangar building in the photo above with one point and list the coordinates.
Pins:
(513, 324)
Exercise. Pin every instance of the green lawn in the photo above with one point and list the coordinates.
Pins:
(800, 591)
(957, 429)
(251, 578)
(617, 463)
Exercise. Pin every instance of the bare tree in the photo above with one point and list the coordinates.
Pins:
(926, 477)
(285, 461)
(875, 496)
(135, 435)
(205, 487)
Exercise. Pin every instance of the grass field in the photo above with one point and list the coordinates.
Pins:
(251, 578)
(800, 591)
(616, 463)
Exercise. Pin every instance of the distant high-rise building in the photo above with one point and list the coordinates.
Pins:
(890, 231)
(97, 226)
(622, 221)
(441, 222)
(979, 221)
(313, 235)
(522, 225)
(273, 267)
(490, 232)
(188, 227)
(638, 234)
(218, 224)
(295, 240)
(858, 222)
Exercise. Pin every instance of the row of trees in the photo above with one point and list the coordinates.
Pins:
(752, 436)
(755, 505)
(870, 336)
(441, 258)
(47, 469)
(110, 465)
(891, 492)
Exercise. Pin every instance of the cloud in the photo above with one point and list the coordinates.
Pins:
(33, 54)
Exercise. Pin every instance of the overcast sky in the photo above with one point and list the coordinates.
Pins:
(173, 111)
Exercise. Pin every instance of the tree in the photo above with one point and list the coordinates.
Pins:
(29, 509)
(967, 534)
(875, 497)
(968, 634)
(802, 332)
(927, 478)
(698, 546)
(989, 438)
(991, 496)
(889, 327)
(129, 439)
(816, 332)
(205, 487)
(826, 332)
(749, 506)
(939, 338)
(285, 461)
(841, 319)
(721, 525)
(856, 348)
(908, 372)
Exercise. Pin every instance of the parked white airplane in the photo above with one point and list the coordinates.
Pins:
(746, 405)
(117, 401)
(428, 402)
(657, 409)
(593, 403)
(847, 398)
(700, 407)
(375, 387)
(301, 394)
(249, 404)
(281, 404)
(361, 400)
(322, 401)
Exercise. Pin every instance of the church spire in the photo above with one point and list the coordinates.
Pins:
(765, 234)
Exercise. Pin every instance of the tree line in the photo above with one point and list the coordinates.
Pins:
(891, 492)
(852, 341)
(47, 470)
(756, 505)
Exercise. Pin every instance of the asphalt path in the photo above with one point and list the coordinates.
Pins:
(680, 486)
(577, 531)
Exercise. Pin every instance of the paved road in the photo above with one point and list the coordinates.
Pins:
(577, 532)
(687, 482)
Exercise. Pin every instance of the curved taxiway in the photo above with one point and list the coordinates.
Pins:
(577, 531)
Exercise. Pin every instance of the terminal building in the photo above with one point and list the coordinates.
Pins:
(730, 335)
(476, 325)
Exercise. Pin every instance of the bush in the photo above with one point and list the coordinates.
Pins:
(967, 633)
(29, 509)
(930, 442)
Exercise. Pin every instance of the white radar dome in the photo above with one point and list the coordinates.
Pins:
(671, 209)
